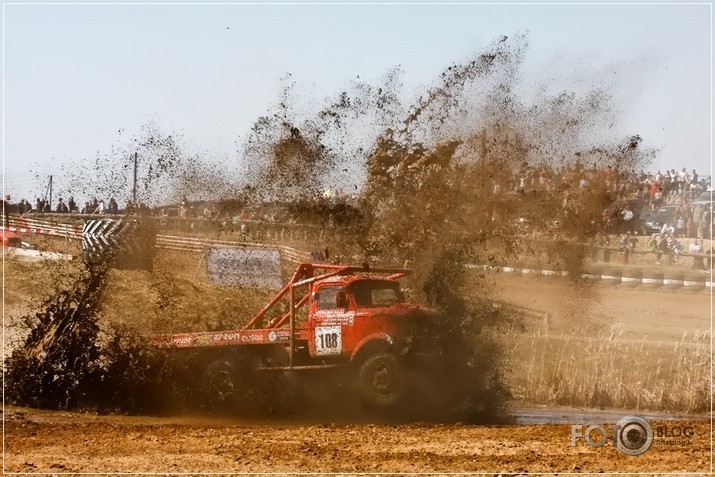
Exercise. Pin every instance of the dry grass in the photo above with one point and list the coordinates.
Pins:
(609, 371)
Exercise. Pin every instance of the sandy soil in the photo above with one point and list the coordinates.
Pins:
(38, 441)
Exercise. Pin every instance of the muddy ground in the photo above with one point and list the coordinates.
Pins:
(37, 441)
(65, 442)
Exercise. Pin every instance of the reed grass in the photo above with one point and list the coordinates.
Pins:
(608, 371)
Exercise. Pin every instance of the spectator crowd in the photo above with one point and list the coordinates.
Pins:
(94, 206)
(647, 194)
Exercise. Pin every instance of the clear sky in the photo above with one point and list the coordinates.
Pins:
(74, 75)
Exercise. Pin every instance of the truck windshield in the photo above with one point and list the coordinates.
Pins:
(376, 293)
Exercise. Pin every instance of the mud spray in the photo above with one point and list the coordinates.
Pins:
(436, 185)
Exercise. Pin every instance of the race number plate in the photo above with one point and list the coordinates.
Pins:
(328, 340)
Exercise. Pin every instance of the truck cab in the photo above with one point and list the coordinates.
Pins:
(347, 313)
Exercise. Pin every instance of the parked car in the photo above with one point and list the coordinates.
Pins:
(627, 216)
(11, 239)
(706, 198)
(662, 215)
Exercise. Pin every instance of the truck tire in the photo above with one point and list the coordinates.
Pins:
(381, 380)
(221, 387)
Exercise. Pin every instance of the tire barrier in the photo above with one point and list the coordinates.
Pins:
(652, 280)
(529, 271)
(631, 278)
(611, 276)
(511, 269)
(628, 278)
(126, 243)
(693, 282)
(672, 281)
(551, 272)
(592, 274)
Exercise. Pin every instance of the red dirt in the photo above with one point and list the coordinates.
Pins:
(40, 441)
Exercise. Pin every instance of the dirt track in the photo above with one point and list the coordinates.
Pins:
(63, 442)
(38, 441)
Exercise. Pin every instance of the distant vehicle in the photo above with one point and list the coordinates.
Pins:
(706, 198)
(627, 216)
(662, 215)
(11, 239)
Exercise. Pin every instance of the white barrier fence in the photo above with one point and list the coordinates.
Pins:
(170, 242)
(625, 278)
(199, 245)
(193, 244)
(41, 227)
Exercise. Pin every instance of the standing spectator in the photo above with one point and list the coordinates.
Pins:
(606, 243)
(72, 205)
(696, 248)
(690, 228)
(662, 248)
(668, 230)
(24, 207)
(684, 177)
(653, 242)
(625, 245)
(113, 206)
(522, 185)
(100, 208)
(697, 216)
(679, 227)
(62, 207)
(653, 245)
(675, 247)
(705, 218)
(184, 208)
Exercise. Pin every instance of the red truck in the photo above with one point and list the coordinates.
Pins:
(337, 316)
(11, 239)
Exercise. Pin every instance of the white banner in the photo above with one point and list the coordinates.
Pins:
(244, 267)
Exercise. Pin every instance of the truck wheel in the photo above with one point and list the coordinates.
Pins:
(220, 387)
(381, 380)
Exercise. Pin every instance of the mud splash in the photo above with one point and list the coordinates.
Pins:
(69, 361)
(468, 174)
(59, 364)
(463, 176)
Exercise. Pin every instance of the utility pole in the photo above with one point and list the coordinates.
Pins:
(134, 193)
(48, 191)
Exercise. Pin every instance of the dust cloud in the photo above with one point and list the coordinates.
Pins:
(468, 174)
